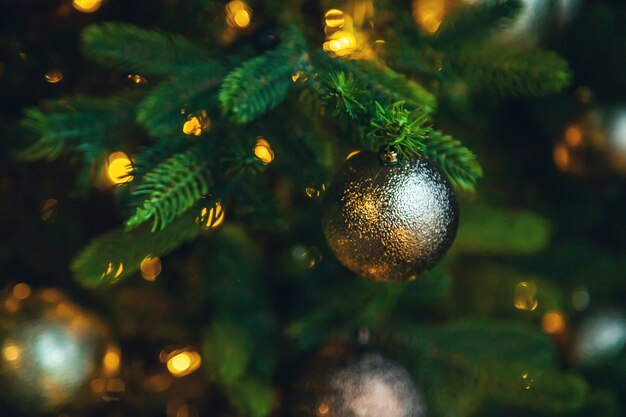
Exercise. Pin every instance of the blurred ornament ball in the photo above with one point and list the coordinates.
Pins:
(49, 349)
(535, 18)
(601, 338)
(339, 383)
(595, 144)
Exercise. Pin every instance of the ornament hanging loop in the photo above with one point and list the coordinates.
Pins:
(388, 155)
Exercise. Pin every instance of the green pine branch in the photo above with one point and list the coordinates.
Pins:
(261, 83)
(76, 124)
(170, 189)
(117, 254)
(504, 70)
(130, 48)
(193, 89)
(381, 82)
(395, 125)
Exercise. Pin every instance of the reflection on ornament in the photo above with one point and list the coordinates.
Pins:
(363, 385)
(601, 337)
(389, 223)
(309, 257)
(594, 145)
(50, 348)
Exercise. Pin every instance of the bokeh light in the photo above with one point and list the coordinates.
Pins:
(183, 362)
(525, 296)
(150, 268)
(213, 217)
(429, 14)
(87, 6)
(119, 168)
(553, 322)
(53, 76)
(238, 14)
(263, 151)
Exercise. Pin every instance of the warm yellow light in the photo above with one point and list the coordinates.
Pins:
(263, 151)
(525, 296)
(111, 360)
(553, 322)
(119, 168)
(351, 154)
(150, 268)
(137, 79)
(183, 363)
(334, 18)
(192, 127)
(573, 135)
(314, 191)
(87, 6)
(11, 304)
(53, 76)
(21, 291)
(213, 217)
(97, 385)
(238, 14)
(195, 125)
(242, 18)
(113, 269)
(429, 14)
(323, 409)
(11, 352)
(50, 295)
(299, 76)
(561, 157)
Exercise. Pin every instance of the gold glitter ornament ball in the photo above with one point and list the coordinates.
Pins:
(389, 222)
(365, 384)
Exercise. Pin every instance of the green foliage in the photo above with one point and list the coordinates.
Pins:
(170, 189)
(227, 350)
(261, 83)
(99, 262)
(476, 22)
(380, 82)
(253, 396)
(76, 124)
(192, 90)
(489, 230)
(396, 126)
(345, 95)
(130, 48)
(502, 69)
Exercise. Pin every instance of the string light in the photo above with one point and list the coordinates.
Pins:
(150, 268)
(137, 79)
(119, 167)
(21, 291)
(238, 14)
(213, 217)
(553, 322)
(111, 360)
(263, 151)
(87, 6)
(113, 269)
(53, 76)
(429, 14)
(183, 362)
(196, 124)
(525, 296)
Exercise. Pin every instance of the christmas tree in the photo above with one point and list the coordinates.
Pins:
(312, 208)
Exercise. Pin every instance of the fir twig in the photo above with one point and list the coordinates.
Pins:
(261, 83)
(170, 189)
(131, 48)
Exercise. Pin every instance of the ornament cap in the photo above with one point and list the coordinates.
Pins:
(388, 155)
